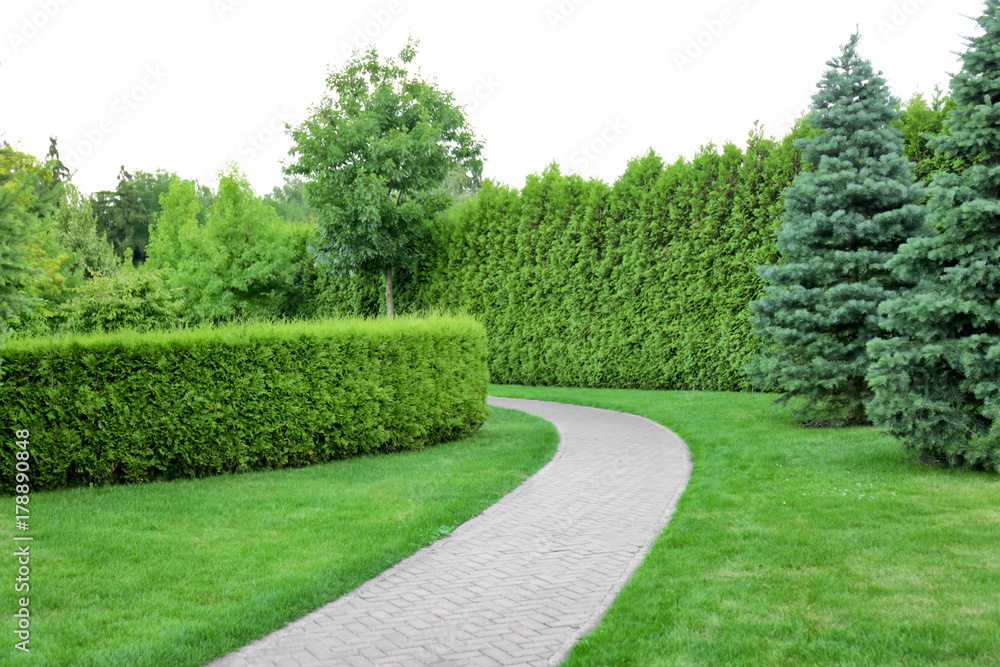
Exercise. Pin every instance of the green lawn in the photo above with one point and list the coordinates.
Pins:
(182, 572)
(801, 546)
(790, 546)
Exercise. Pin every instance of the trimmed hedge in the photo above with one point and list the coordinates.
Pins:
(641, 284)
(644, 284)
(129, 407)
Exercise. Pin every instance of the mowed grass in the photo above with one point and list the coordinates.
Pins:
(801, 546)
(180, 573)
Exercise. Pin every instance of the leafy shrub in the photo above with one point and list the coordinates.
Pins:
(130, 407)
(127, 299)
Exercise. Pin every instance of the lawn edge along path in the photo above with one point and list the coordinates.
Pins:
(523, 581)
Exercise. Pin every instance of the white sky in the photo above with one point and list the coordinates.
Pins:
(190, 85)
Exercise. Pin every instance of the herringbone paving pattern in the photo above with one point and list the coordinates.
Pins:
(523, 581)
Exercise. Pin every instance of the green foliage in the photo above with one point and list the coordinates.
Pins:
(374, 152)
(124, 217)
(15, 223)
(243, 262)
(60, 172)
(90, 252)
(125, 299)
(643, 284)
(331, 295)
(129, 407)
(149, 189)
(920, 123)
(176, 234)
(289, 201)
(30, 255)
(842, 224)
(937, 374)
(462, 183)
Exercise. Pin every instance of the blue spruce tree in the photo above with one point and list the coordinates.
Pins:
(842, 224)
(936, 376)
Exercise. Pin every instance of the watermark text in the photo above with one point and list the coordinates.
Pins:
(22, 584)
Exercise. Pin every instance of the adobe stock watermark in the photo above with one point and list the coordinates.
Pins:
(22, 480)
(607, 483)
(711, 30)
(558, 14)
(451, 634)
(257, 142)
(485, 88)
(122, 108)
(31, 25)
(780, 127)
(377, 22)
(585, 155)
(899, 16)
(224, 8)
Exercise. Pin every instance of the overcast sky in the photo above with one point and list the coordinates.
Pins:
(191, 85)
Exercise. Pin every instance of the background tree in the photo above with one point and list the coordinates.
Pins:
(60, 173)
(937, 376)
(17, 223)
(90, 252)
(462, 183)
(373, 152)
(123, 217)
(243, 262)
(149, 188)
(32, 282)
(176, 232)
(289, 201)
(921, 122)
(842, 224)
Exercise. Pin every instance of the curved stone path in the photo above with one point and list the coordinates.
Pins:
(523, 581)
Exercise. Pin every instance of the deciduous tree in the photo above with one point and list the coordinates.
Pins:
(373, 153)
(90, 252)
(243, 261)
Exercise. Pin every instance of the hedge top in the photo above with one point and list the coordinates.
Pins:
(238, 333)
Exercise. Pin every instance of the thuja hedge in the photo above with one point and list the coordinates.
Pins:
(644, 284)
(129, 407)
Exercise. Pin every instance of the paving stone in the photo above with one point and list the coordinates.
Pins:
(523, 581)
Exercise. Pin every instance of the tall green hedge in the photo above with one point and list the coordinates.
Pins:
(644, 284)
(130, 407)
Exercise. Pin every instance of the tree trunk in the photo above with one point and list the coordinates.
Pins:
(387, 272)
(857, 416)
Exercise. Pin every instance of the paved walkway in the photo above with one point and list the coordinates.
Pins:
(523, 581)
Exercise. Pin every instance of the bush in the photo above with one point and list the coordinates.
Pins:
(130, 407)
(128, 299)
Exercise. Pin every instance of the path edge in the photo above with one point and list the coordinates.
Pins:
(595, 619)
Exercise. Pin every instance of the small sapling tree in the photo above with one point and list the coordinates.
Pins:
(374, 153)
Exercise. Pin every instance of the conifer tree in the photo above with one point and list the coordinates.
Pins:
(842, 223)
(122, 216)
(936, 376)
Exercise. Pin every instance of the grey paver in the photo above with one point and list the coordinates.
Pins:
(541, 565)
